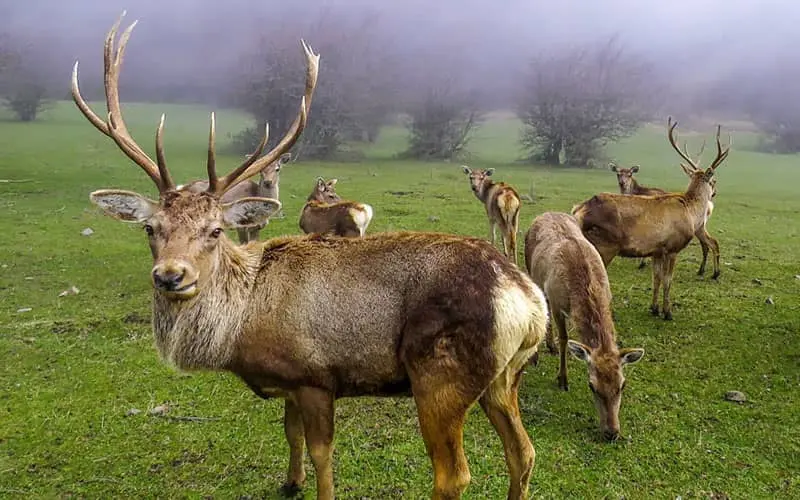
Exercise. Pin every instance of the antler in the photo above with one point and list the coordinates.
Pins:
(219, 185)
(114, 126)
(683, 154)
(721, 154)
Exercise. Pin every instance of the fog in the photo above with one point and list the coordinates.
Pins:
(178, 42)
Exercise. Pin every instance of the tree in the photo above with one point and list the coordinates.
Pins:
(24, 78)
(441, 123)
(576, 101)
(353, 97)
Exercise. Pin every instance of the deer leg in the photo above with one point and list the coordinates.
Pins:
(658, 266)
(316, 409)
(253, 233)
(500, 402)
(512, 234)
(561, 324)
(293, 429)
(549, 335)
(668, 269)
(706, 242)
(441, 418)
(492, 231)
(642, 263)
(243, 235)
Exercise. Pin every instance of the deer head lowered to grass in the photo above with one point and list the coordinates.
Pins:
(658, 226)
(443, 318)
(571, 273)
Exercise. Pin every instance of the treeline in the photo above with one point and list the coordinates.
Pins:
(572, 99)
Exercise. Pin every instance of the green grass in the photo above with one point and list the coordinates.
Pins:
(71, 367)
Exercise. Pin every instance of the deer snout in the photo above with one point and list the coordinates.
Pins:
(172, 277)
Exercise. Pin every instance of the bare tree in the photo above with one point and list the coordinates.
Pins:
(354, 97)
(25, 77)
(576, 101)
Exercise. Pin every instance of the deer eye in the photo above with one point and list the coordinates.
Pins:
(216, 232)
(148, 229)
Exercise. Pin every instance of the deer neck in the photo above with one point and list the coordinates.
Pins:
(201, 333)
(697, 196)
(484, 190)
(590, 313)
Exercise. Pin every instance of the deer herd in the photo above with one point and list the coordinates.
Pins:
(442, 318)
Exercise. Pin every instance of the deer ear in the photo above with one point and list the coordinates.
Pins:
(630, 356)
(248, 212)
(635, 168)
(320, 182)
(124, 205)
(332, 182)
(613, 166)
(489, 171)
(285, 158)
(466, 169)
(578, 350)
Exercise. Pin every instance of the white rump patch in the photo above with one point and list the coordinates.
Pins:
(520, 322)
(362, 217)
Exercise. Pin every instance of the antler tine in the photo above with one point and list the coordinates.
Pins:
(211, 164)
(114, 126)
(671, 136)
(253, 165)
(721, 155)
(166, 179)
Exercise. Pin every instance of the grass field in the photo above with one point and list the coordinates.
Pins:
(72, 367)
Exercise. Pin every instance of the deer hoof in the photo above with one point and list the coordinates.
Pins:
(562, 384)
(654, 310)
(715, 275)
(642, 264)
(668, 316)
(701, 271)
(290, 489)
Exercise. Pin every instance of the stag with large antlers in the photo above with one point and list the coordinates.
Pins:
(658, 226)
(443, 318)
(628, 185)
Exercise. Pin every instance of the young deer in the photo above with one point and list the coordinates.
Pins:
(325, 212)
(628, 185)
(657, 226)
(502, 204)
(312, 319)
(266, 187)
(571, 273)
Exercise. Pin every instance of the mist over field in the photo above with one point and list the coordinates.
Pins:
(185, 41)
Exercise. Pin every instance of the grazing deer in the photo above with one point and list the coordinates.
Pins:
(502, 203)
(657, 226)
(628, 185)
(325, 212)
(443, 318)
(266, 187)
(571, 273)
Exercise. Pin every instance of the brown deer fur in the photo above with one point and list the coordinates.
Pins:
(650, 226)
(502, 205)
(446, 319)
(571, 273)
(267, 186)
(629, 185)
(326, 213)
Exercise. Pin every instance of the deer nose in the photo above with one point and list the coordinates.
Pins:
(168, 278)
(611, 435)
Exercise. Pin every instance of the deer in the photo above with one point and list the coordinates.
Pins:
(326, 212)
(570, 271)
(266, 187)
(502, 204)
(629, 185)
(313, 318)
(659, 226)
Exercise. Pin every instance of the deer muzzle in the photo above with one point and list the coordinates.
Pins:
(175, 279)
